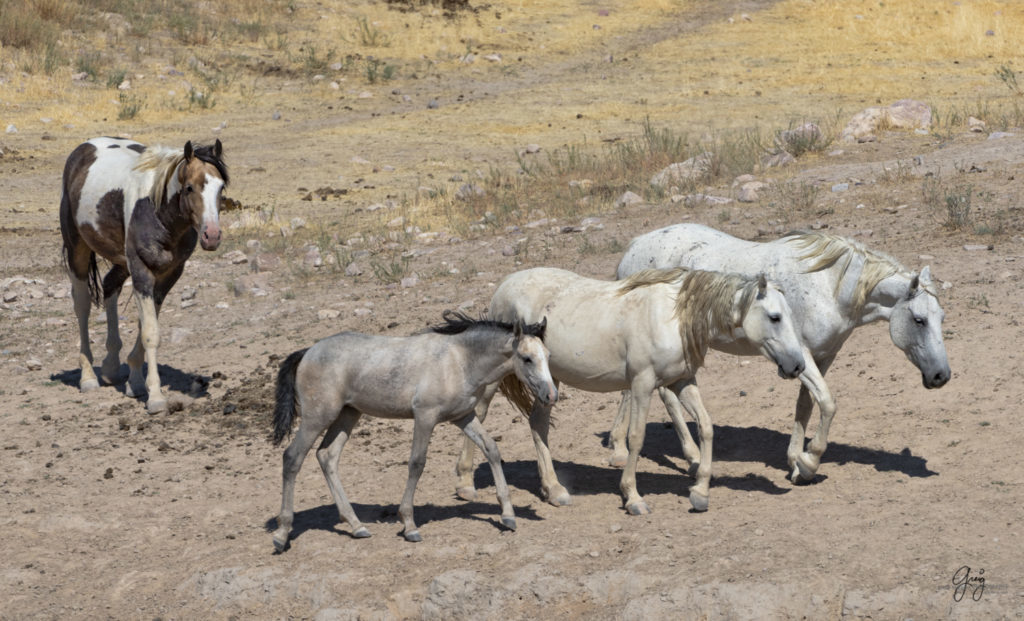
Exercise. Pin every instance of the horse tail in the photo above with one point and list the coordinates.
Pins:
(286, 399)
(69, 234)
(517, 392)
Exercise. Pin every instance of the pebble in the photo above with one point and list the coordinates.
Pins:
(973, 247)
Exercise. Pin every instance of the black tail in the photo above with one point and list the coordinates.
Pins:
(69, 233)
(285, 403)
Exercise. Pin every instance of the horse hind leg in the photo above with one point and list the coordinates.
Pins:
(422, 428)
(328, 455)
(294, 455)
(81, 263)
(112, 283)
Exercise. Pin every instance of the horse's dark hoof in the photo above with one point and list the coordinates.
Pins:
(360, 533)
(280, 546)
(413, 536)
(509, 522)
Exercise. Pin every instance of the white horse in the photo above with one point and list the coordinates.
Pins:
(649, 331)
(833, 284)
(432, 378)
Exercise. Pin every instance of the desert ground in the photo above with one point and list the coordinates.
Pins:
(338, 223)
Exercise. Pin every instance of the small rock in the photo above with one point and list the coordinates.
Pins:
(976, 125)
(327, 313)
(33, 365)
(236, 257)
(974, 247)
(353, 269)
(297, 223)
(188, 293)
(11, 129)
(362, 312)
(410, 281)
(532, 148)
(628, 198)
(840, 187)
(432, 104)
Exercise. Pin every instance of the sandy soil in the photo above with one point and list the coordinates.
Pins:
(115, 513)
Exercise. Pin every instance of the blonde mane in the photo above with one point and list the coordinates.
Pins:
(163, 161)
(828, 250)
(704, 303)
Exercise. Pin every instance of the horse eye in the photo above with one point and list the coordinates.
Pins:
(527, 360)
(775, 318)
(188, 188)
(920, 321)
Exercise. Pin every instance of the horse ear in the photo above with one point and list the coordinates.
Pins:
(517, 329)
(915, 282)
(926, 275)
(217, 149)
(188, 150)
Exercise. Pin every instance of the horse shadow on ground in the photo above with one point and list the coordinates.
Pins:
(192, 384)
(661, 445)
(767, 446)
(376, 517)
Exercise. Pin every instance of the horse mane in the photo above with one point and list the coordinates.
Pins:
(456, 322)
(826, 251)
(165, 160)
(704, 303)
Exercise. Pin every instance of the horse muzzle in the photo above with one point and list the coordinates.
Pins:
(209, 238)
(791, 370)
(548, 396)
(935, 380)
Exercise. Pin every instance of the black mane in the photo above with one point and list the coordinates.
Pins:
(205, 154)
(456, 322)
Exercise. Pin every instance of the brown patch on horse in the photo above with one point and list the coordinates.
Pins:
(108, 243)
(77, 257)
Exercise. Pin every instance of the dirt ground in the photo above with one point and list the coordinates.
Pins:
(114, 513)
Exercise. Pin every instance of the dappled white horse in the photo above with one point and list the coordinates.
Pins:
(649, 331)
(833, 284)
(434, 377)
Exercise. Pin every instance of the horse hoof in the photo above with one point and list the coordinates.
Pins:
(466, 493)
(559, 496)
(413, 536)
(87, 385)
(698, 501)
(638, 508)
(360, 533)
(806, 467)
(280, 545)
(617, 461)
(509, 522)
(155, 406)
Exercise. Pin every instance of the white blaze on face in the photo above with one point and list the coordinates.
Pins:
(211, 201)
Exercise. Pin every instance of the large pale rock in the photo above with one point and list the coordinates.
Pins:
(904, 114)
(683, 172)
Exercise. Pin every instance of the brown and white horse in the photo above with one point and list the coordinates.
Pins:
(143, 209)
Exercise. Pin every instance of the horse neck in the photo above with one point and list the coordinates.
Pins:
(170, 212)
(884, 296)
(487, 362)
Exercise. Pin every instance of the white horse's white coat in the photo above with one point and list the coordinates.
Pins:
(833, 286)
(606, 337)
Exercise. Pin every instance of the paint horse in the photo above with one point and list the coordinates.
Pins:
(434, 377)
(143, 209)
(649, 331)
(833, 285)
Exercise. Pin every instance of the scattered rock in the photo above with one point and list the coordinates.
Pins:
(327, 313)
(749, 191)
(353, 269)
(975, 247)
(683, 172)
(236, 257)
(840, 187)
(976, 125)
(33, 365)
(410, 281)
(904, 114)
(628, 198)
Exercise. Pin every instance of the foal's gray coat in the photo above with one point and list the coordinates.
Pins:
(433, 377)
(143, 209)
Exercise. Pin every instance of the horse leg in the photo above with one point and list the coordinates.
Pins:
(328, 455)
(112, 283)
(689, 398)
(670, 397)
(476, 434)
(83, 305)
(149, 335)
(640, 400)
(540, 420)
(617, 435)
(292, 459)
(464, 487)
(423, 427)
(804, 464)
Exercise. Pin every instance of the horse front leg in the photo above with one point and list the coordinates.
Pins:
(149, 338)
(464, 486)
(689, 398)
(639, 402)
(476, 434)
(83, 306)
(423, 427)
(112, 282)
(540, 422)
(691, 452)
(804, 464)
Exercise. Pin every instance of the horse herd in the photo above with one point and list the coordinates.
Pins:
(681, 290)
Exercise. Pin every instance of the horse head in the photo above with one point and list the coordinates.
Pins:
(768, 323)
(915, 325)
(531, 360)
(202, 176)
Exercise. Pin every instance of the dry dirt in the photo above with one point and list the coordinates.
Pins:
(115, 513)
